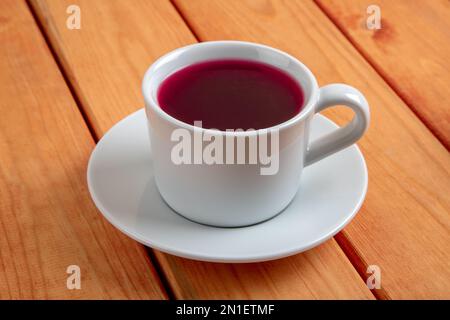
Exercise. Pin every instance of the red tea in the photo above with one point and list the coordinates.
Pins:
(231, 94)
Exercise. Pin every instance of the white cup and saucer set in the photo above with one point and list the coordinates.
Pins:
(231, 212)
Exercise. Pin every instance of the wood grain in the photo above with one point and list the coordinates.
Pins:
(410, 51)
(47, 220)
(321, 273)
(117, 47)
(404, 224)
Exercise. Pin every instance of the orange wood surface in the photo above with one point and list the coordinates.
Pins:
(411, 51)
(105, 61)
(47, 219)
(403, 226)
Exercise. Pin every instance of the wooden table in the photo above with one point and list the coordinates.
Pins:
(61, 89)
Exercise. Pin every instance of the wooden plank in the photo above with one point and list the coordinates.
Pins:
(320, 273)
(410, 51)
(148, 29)
(403, 226)
(47, 220)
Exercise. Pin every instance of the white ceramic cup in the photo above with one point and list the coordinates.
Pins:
(231, 195)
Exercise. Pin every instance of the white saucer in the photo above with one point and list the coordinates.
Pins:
(120, 180)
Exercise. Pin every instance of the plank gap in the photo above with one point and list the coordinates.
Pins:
(62, 71)
(358, 263)
(185, 20)
(160, 272)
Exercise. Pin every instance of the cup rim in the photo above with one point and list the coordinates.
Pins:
(152, 102)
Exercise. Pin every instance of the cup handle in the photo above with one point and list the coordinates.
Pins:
(339, 94)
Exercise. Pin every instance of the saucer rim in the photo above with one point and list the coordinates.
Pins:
(217, 257)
